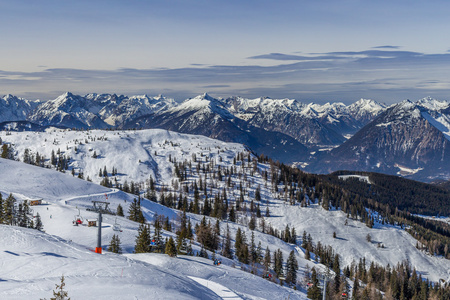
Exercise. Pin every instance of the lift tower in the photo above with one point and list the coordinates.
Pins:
(100, 206)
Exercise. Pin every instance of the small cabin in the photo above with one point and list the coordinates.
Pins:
(35, 202)
(91, 222)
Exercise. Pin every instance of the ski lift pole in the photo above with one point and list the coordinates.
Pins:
(326, 277)
(98, 249)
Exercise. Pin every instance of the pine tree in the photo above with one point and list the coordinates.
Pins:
(171, 250)
(253, 253)
(38, 224)
(337, 272)
(226, 250)
(157, 234)
(22, 218)
(258, 194)
(114, 245)
(232, 215)
(304, 240)
(1, 209)
(141, 218)
(355, 290)
(241, 247)
(278, 262)
(53, 159)
(293, 236)
(291, 268)
(135, 212)
(60, 293)
(314, 291)
(252, 223)
(181, 236)
(119, 210)
(307, 254)
(142, 240)
(5, 151)
(8, 210)
(203, 253)
(267, 260)
(259, 252)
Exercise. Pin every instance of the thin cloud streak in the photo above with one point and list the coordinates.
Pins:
(385, 75)
(386, 47)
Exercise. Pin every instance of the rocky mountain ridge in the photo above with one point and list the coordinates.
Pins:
(281, 128)
(409, 139)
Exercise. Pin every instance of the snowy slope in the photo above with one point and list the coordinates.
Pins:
(32, 262)
(351, 241)
(437, 113)
(140, 154)
(65, 194)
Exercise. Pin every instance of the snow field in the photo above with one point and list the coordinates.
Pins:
(136, 155)
(33, 261)
(58, 189)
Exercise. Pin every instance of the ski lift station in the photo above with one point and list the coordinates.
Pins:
(34, 202)
(91, 222)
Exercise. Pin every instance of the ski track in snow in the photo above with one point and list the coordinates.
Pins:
(220, 290)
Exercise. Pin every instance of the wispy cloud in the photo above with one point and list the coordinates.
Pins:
(281, 56)
(384, 75)
(386, 47)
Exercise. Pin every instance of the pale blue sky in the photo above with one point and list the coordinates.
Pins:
(309, 50)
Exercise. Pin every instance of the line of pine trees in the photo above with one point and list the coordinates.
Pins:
(18, 214)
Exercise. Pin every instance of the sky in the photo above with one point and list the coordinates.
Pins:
(313, 51)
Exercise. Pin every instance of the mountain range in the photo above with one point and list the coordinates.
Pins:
(408, 138)
(281, 128)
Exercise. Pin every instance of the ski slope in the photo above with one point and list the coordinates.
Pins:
(136, 155)
(65, 196)
(32, 262)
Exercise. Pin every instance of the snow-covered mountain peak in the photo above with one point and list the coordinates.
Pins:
(203, 102)
(404, 109)
(9, 97)
(367, 105)
(13, 108)
(365, 109)
(314, 110)
(67, 99)
(286, 104)
(433, 104)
